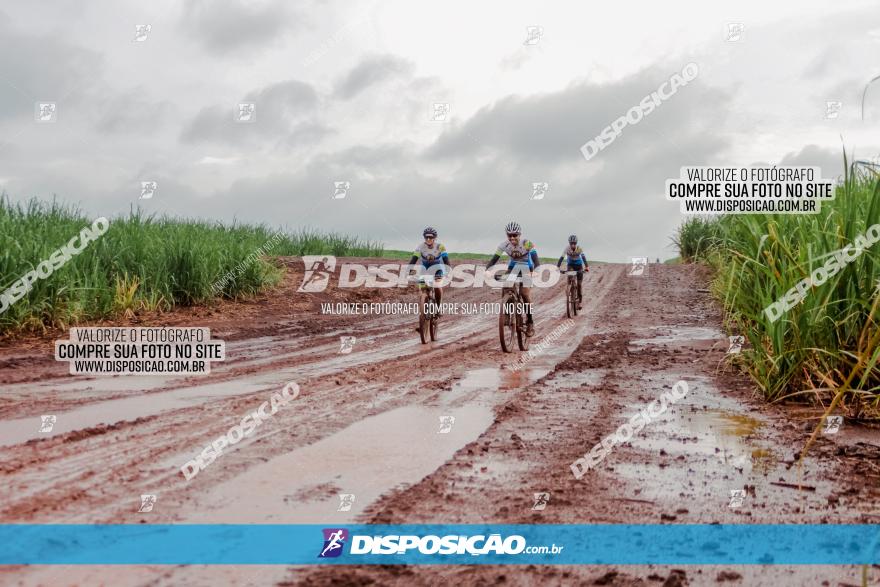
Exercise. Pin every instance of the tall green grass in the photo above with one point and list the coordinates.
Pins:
(142, 262)
(827, 346)
(696, 237)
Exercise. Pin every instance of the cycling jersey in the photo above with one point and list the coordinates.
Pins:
(523, 253)
(573, 256)
(430, 255)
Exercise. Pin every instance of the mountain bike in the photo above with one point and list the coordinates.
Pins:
(429, 310)
(571, 294)
(512, 318)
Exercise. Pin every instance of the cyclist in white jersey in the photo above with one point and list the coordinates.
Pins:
(431, 253)
(523, 259)
(575, 260)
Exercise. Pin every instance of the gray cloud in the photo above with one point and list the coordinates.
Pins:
(41, 67)
(283, 111)
(131, 112)
(623, 183)
(229, 26)
(829, 160)
(552, 127)
(372, 71)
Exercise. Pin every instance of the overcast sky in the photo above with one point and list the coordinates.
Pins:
(345, 91)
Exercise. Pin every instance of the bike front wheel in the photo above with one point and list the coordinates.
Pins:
(569, 303)
(522, 338)
(507, 322)
(433, 327)
(424, 323)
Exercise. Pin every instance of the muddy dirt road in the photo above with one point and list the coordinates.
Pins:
(368, 423)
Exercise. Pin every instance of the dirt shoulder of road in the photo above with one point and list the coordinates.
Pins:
(281, 310)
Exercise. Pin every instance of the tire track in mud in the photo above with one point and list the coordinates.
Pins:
(110, 466)
(40, 473)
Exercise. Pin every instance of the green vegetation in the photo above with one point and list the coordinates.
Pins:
(142, 262)
(828, 345)
(696, 236)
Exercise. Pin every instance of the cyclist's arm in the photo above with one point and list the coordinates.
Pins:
(533, 254)
(413, 259)
(586, 265)
(559, 262)
(493, 260)
(444, 258)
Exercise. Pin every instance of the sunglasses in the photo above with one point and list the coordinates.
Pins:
(429, 238)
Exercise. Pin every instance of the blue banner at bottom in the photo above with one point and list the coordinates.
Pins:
(264, 544)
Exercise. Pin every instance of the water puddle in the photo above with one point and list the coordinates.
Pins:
(680, 334)
(128, 409)
(369, 458)
(703, 435)
(721, 436)
(576, 379)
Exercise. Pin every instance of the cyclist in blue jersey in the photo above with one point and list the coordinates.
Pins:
(576, 261)
(523, 259)
(431, 253)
